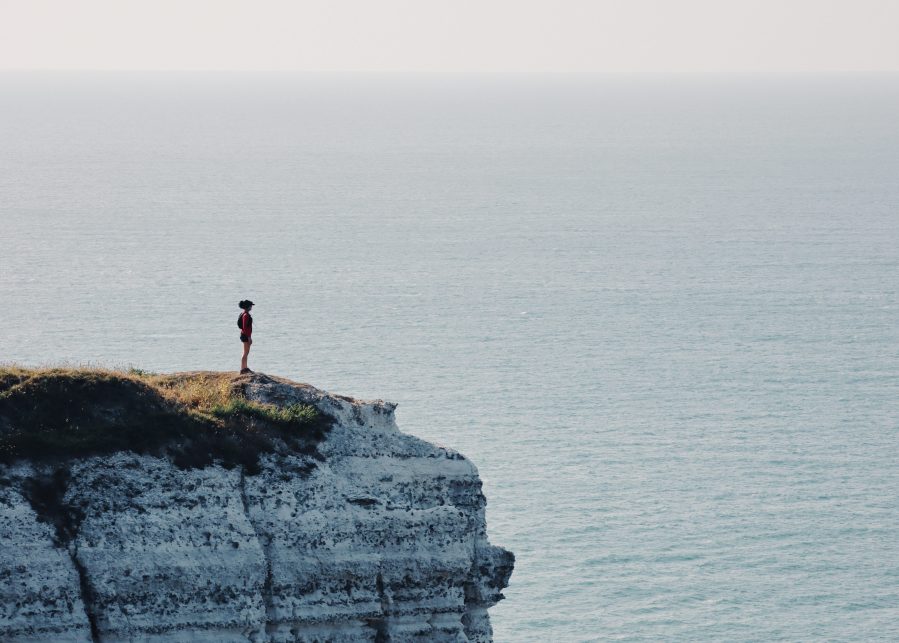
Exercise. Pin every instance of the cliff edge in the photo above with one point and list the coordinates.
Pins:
(136, 507)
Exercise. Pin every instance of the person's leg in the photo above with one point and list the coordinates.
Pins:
(246, 353)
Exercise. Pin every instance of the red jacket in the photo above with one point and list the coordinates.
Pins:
(246, 325)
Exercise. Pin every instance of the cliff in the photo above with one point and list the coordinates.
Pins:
(273, 512)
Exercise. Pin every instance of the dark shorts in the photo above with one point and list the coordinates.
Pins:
(244, 338)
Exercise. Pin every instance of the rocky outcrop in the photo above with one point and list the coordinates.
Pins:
(376, 536)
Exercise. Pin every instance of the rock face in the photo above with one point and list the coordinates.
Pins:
(378, 537)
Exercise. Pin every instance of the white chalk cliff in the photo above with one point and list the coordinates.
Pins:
(378, 537)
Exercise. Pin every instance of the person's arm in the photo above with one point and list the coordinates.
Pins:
(248, 325)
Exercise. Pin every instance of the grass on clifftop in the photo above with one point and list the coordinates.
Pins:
(195, 418)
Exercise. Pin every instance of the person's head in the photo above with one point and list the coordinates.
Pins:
(246, 304)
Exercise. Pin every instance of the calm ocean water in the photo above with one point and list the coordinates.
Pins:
(659, 313)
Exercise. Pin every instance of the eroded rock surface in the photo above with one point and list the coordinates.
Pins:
(379, 536)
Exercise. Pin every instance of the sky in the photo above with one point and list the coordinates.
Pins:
(452, 35)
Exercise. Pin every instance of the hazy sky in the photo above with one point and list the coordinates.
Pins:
(451, 35)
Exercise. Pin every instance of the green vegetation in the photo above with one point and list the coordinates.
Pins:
(295, 413)
(194, 418)
(139, 372)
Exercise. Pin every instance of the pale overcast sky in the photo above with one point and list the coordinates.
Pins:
(452, 35)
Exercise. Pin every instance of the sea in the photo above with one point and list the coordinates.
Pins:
(660, 313)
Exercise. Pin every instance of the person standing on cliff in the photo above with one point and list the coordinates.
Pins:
(245, 322)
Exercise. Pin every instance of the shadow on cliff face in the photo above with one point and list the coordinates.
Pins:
(45, 493)
(195, 420)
